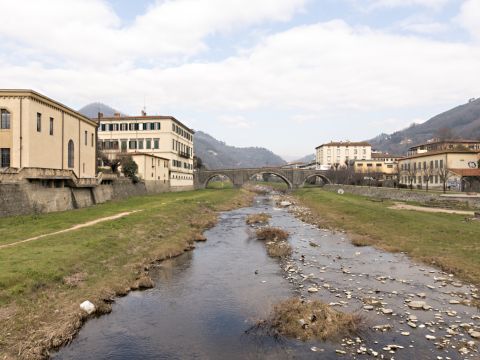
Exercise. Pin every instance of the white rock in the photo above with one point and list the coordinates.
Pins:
(475, 334)
(430, 337)
(312, 290)
(88, 307)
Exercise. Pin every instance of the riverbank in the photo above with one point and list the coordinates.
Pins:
(448, 241)
(42, 282)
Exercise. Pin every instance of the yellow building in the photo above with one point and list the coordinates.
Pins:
(438, 168)
(39, 133)
(161, 136)
(384, 164)
(338, 153)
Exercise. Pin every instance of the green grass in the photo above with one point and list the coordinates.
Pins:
(217, 185)
(446, 240)
(111, 253)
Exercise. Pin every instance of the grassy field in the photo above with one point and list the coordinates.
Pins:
(220, 185)
(43, 282)
(445, 240)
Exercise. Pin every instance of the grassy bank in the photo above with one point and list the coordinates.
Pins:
(445, 240)
(43, 282)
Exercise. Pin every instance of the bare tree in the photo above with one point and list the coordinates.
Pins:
(113, 162)
(411, 174)
(427, 173)
(444, 174)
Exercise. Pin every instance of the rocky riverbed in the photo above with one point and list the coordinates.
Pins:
(412, 310)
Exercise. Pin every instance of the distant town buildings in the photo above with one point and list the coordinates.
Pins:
(41, 134)
(339, 154)
(456, 169)
(438, 145)
(160, 137)
(384, 166)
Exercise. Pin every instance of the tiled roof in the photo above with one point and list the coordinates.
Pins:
(466, 172)
(438, 152)
(345, 143)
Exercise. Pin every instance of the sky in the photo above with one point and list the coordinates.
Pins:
(287, 75)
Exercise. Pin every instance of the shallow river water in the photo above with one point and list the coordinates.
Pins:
(204, 301)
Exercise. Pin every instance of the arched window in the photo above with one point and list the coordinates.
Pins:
(71, 154)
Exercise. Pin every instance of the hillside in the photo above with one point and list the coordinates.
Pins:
(92, 110)
(462, 121)
(218, 155)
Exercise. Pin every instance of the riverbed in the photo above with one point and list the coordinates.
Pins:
(205, 302)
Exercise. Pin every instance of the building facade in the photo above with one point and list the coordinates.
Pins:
(438, 168)
(338, 154)
(473, 145)
(385, 165)
(161, 136)
(41, 133)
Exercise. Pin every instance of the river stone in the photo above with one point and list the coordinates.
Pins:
(387, 311)
(475, 334)
(417, 305)
(430, 337)
(312, 290)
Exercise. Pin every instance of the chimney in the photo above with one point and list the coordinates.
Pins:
(100, 115)
(117, 114)
(144, 113)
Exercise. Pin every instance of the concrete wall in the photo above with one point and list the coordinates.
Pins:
(401, 194)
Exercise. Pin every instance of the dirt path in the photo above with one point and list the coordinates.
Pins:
(76, 227)
(400, 206)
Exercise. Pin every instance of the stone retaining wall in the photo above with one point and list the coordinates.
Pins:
(25, 198)
(402, 194)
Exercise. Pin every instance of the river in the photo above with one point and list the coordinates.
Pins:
(205, 301)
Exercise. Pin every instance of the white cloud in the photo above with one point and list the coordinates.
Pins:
(469, 17)
(235, 121)
(423, 25)
(434, 4)
(89, 31)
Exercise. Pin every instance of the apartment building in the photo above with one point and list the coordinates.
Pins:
(434, 168)
(41, 134)
(380, 163)
(438, 145)
(161, 136)
(337, 154)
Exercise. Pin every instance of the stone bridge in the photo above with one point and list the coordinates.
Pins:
(294, 178)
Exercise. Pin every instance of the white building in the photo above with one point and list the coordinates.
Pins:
(337, 154)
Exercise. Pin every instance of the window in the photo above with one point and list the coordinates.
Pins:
(71, 154)
(152, 126)
(51, 126)
(156, 143)
(441, 164)
(39, 122)
(5, 157)
(5, 119)
(140, 144)
(148, 143)
(158, 126)
(132, 144)
(86, 137)
(93, 139)
(124, 145)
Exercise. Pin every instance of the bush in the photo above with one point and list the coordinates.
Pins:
(130, 168)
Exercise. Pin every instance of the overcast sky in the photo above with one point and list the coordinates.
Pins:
(284, 74)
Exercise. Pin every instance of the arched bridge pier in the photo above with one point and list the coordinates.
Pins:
(294, 178)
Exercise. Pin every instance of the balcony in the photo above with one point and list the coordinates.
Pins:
(184, 154)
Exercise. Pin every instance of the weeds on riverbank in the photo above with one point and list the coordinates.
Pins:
(276, 241)
(258, 219)
(272, 234)
(311, 320)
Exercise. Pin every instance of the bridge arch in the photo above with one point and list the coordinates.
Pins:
(269, 172)
(325, 179)
(214, 175)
